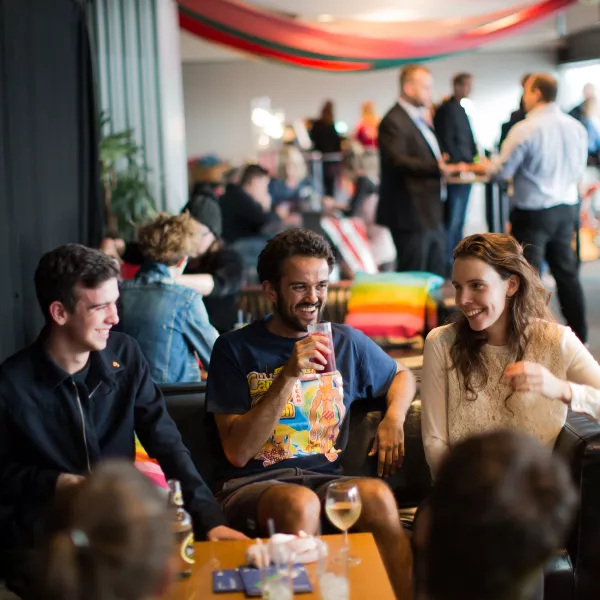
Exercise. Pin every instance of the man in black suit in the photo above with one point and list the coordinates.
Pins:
(516, 116)
(456, 140)
(412, 176)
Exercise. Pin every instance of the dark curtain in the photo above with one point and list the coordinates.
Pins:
(49, 173)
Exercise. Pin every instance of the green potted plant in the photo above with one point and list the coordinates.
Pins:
(127, 198)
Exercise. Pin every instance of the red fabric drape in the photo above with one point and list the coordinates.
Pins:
(268, 34)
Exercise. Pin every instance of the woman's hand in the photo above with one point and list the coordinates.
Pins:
(528, 376)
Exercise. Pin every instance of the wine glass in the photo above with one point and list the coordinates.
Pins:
(343, 506)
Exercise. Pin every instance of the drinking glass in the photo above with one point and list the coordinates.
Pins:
(324, 329)
(343, 506)
(332, 574)
(277, 571)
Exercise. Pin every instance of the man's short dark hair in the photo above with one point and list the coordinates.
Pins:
(501, 506)
(251, 172)
(461, 78)
(62, 269)
(408, 72)
(547, 85)
(293, 242)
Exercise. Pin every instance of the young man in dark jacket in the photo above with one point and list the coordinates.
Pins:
(75, 397)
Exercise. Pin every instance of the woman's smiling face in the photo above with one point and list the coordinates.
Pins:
(482, 294)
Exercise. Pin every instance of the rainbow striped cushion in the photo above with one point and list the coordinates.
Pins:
(148, 466)
(393, 305)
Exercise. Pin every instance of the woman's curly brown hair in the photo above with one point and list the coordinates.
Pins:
(170, 238)
(505, 255)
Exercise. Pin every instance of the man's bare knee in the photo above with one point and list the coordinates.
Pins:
(379, 508)
(293, 508)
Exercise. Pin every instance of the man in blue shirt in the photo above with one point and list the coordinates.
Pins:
(546, 156)
(279, 413)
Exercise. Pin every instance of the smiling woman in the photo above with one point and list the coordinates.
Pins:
(504, 362)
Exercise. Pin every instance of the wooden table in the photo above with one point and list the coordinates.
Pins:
(368, 580)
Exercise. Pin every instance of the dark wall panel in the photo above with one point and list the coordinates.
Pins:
(49, 176)
(581, 46)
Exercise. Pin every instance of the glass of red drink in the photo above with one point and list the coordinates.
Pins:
(324, 329)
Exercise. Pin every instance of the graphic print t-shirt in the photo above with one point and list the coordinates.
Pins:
(245, 363)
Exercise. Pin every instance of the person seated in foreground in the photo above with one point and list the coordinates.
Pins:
(501, 507)
(109, 537)
(169, 321)
(75, 397)
(279, 414)
(504, 362)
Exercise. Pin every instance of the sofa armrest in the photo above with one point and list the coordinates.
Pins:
(579, 444)
(411, 483)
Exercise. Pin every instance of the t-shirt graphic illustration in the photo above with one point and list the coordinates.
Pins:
(310, 422)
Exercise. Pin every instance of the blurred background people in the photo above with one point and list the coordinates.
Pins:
(589, 93)
(360, 175)
(516, 116)
(412, 176)
(168, 320)
(290, 189)
(366, 129)
(455, 135)
(546, 157)
(587, 114)
(327, 141)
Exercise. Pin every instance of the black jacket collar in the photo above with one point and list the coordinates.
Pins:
(104, 364)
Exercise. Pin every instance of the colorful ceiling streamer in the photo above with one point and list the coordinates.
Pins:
(339, 48)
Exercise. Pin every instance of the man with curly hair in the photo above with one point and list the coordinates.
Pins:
(168, 320)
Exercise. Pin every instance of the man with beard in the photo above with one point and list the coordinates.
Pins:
(265, 388)
(413, 176)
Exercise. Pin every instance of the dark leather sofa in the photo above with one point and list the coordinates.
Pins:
(574, 574)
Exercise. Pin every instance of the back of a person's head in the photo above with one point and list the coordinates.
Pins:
(170, 238)
(109, 539)
(461, 79)
(61, 270)
(546, 85)
(205, 208)
(292, 242)
(252, 172)
(525, 79)
(501, 506)
(327, 113)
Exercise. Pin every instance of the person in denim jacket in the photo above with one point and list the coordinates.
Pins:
(169, 321)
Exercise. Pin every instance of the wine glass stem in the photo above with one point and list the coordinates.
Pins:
(346, 543)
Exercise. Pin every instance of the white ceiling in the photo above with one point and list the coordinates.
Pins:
(542, 35)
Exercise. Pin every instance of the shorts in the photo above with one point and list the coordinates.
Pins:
(239, 497)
